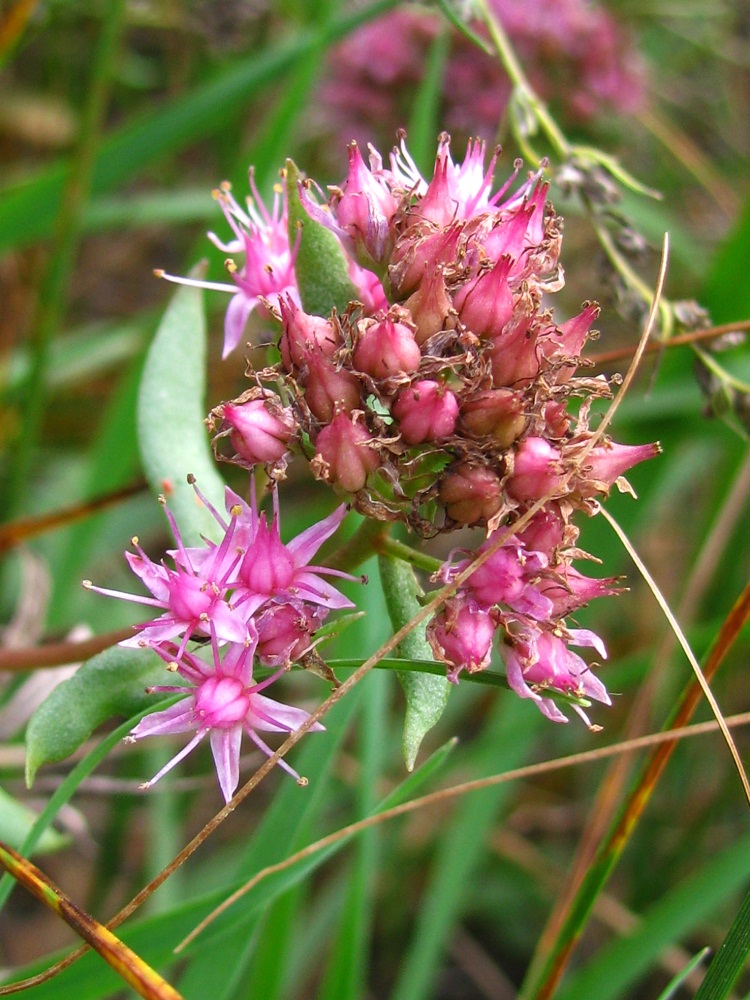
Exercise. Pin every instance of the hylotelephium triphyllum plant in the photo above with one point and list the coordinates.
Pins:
(433, 389)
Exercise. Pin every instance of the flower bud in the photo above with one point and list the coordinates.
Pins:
(416, 254)
(386, 348)
(328, 388)
(303, 334)
(513, 355)
(574, 332)
(437, 204)
(485, 304)
(460, 636)
(343, 456)
(508, 577)
(369, 288)
(606, 463)
(430, 306)
(569, 590)
(496, 413)
(537, 470)
(426, 411)
(556, 419)
(285, 631)
(365, 209)
(471, 493)
(547, 531)
(507, 235)
(261, 429)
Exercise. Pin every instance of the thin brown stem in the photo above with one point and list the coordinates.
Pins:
(694, 337)
(22, 529)
(57, 654)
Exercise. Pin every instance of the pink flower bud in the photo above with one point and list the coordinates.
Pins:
(556, 419)
(416, 254)
(261, 429)
(496, 413)
(328, 388)
(547, 531)
(514, 356)
(365, 209)
(569, 590)
(343, 456)
(369, 288)
(485, 304)
(537, 470)
(471, 493)
(507, 235)
(457, 192)
(460, 636)
(426, 411)
(285, 631)
(437, 205)
(430, 306)
(221, 702)
(303, 334)
(607, 462)
(267, 566)
(508, 577)
(573, 333)
(386, 348)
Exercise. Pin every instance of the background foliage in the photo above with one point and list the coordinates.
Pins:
(117, 121)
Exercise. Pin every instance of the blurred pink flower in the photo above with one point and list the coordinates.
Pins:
(575, 52)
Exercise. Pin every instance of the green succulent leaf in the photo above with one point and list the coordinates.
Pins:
(172, 434)
(426, 694)
(320, 265)
(112, 683)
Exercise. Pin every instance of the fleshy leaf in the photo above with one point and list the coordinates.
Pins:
(426, 694)
(172, 434)
(320, 265)
(16, 820)
(110, 684)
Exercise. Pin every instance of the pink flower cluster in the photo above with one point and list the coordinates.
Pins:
(440, 397)
(253, 598)
(574, 51)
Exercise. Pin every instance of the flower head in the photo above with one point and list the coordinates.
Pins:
(537, 661)
(194, 594)
(266, 272)
(222, 703)
(270, 569)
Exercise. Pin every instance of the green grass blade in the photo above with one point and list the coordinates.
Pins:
(671, 991)
(346, 975)
(461, 846)
(731, 958)
(27, 210)
(620, 964)
(424, 123)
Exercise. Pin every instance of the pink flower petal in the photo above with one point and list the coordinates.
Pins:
(225, 747)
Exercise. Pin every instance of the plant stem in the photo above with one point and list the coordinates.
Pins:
(365, 542)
